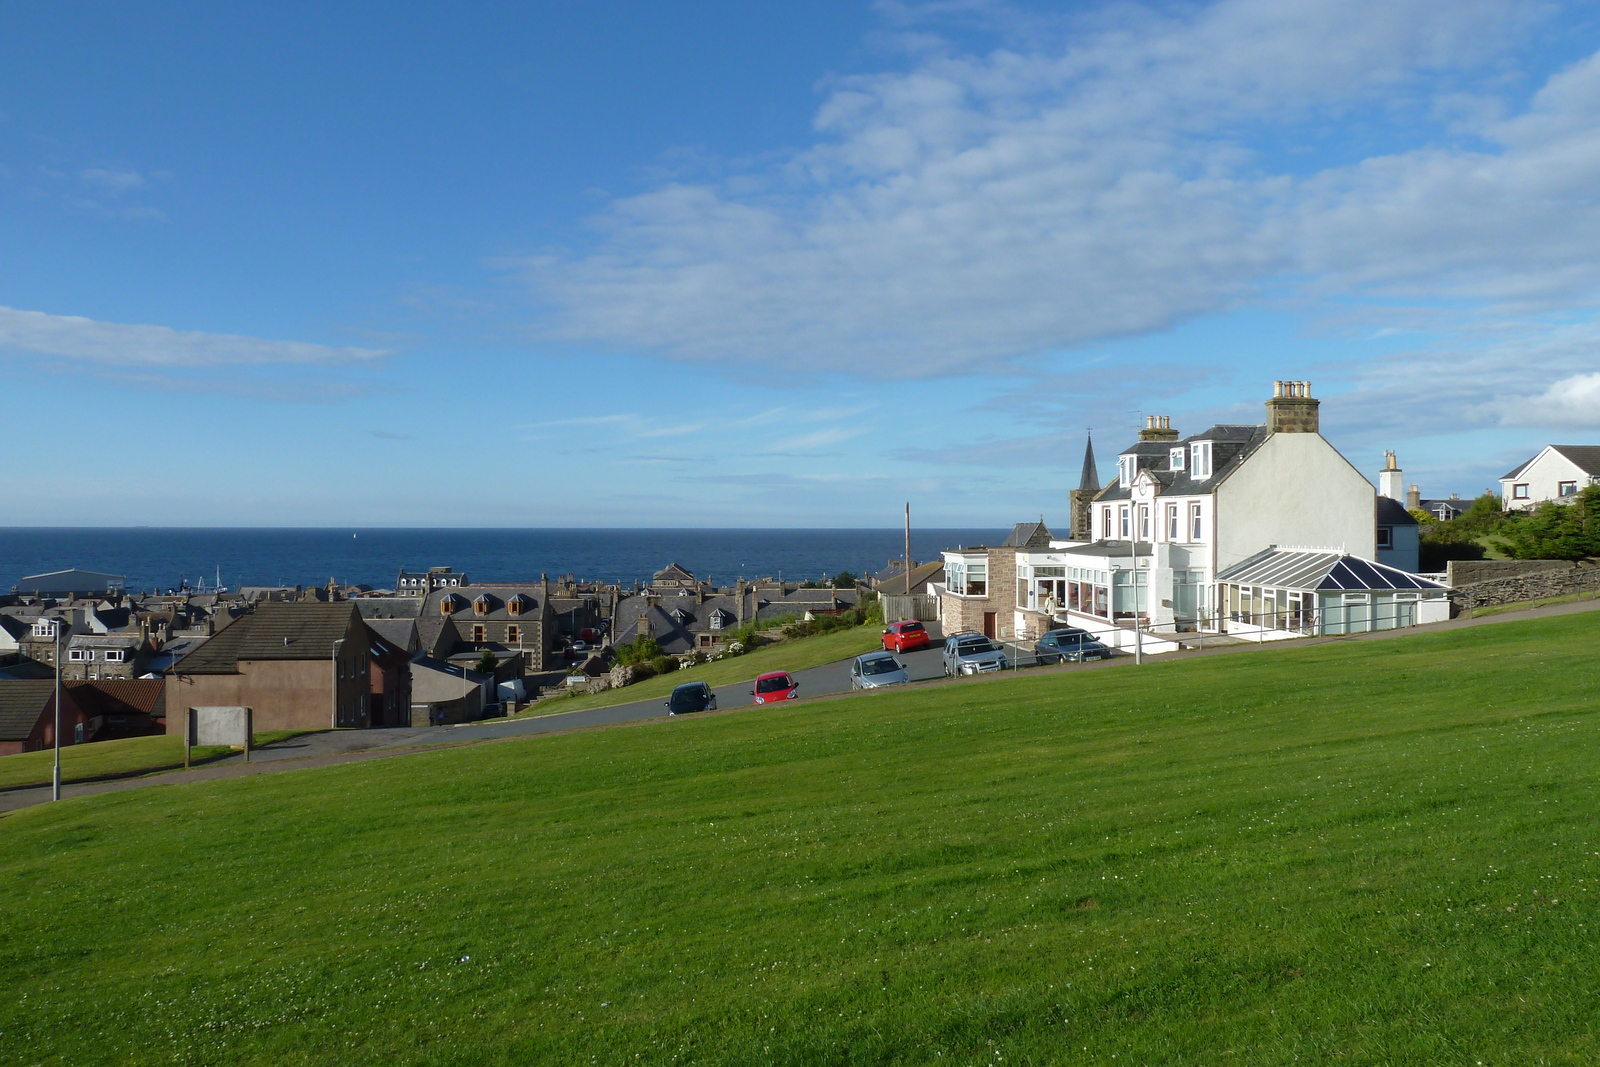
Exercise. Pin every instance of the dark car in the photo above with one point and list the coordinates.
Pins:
(1069, 645)
(691, 696)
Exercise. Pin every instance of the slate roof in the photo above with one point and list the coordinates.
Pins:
(402, 633)
(1393, 513)
(1090, 479)
(74, 580)
(495, 598)
(276, 630)
(21, 704)
(388, 607)
(1230, 444)
(1028, 535)
(1322, 572)
(921, 575)
(1585, 457)
(1112, 549)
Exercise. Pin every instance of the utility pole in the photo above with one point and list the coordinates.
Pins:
(908, 548)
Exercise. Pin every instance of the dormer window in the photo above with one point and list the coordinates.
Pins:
(1200, 459)
(1176, 457)
(1128, 466)
(480, 606)
(449, 604)
(514, 605)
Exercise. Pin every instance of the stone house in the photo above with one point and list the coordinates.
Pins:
(980, 588)
(510, 618)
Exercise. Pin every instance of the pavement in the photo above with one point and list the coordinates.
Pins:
(924, 666)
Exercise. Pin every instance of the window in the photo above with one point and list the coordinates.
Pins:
(1049, 572)
(77, 733)
(1105, 522)
(513, 634)
(1196, 527)
(480, 606)
(1519, 492)
(114, 655)
(1385, 537)
(1566, 488)
(477, 633)
(1175, 459)
(1128, 466)
(1124, 521)
(1144, 522)
(1174, 530)
(1200, 459)
(78, 655)
(716, 620)
(978, 579)
(514, 606)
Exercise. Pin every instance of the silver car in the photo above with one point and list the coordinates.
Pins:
(972, 653)
(876, 670)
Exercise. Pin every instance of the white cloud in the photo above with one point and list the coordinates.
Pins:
(122, 345)
(114, 182)
(973, 211)
(1569, 404)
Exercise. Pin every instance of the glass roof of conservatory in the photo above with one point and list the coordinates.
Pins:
(1313, 570)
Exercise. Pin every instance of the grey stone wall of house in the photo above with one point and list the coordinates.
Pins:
(1582, 577)
(1080, 502)
(1469, 571)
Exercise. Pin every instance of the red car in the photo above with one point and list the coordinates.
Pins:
(775, 686)
(905, 636)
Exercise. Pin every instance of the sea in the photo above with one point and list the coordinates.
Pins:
(161, 559)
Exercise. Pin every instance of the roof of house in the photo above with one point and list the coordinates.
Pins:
(1230, 445)
(21, 704)
(276, 630)
(119, 696)
(388, 607)
(1310, 569)
(921, 575)
(1585, 457)
(1028, 535)
(673, 572)
(1393, 513)
(402, 633)
(1090, 478)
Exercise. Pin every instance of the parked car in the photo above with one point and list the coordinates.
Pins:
(589, 633)
(876, 670)
(580, 646)
(691, 696)
(908, 635)
(972, 653)
(1069, 645)
(775, 686)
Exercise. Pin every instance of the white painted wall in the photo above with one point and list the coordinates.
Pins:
(1543, 477)
(1296, 489)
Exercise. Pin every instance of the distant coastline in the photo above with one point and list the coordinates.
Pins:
(152, 557)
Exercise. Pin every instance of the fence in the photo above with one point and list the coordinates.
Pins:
(920, 606)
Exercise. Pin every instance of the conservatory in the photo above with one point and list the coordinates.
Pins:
(1287, 592)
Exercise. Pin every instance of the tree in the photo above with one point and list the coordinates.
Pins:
(486, 662)
(642, 649)
(1555, 531)
(844, 580)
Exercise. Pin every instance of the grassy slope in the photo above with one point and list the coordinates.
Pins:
(786, 656)
(1348, 853)
(103, 759)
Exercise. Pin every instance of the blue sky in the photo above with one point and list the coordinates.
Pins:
(766, 265)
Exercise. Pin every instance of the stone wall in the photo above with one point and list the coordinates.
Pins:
(957, 613)
(1582, 577)
(1470, 571)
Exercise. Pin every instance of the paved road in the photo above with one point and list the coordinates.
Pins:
(343, 745)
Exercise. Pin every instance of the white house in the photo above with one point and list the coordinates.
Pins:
(1183, 511)
(1556, 473)
(1399, 533)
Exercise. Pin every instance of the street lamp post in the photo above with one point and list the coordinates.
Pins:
(334, 720)
(55, 778)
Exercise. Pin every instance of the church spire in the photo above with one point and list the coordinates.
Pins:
(1091, 473)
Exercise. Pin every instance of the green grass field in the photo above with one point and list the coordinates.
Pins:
(1350, 853)
(111, 759)
(785, 656)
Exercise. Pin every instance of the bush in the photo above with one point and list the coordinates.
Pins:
(663, 664)
(844, 580)
(643, 649)
(1555, 531)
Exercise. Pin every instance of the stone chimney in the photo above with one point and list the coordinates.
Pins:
(738, 600)
(1158, 428)
(1390, 483)
(1292, 409)
(1414, 497)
